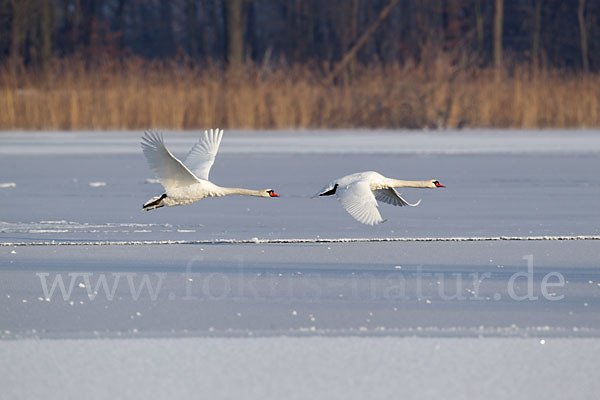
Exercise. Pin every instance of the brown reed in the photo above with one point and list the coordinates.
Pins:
(137, 94)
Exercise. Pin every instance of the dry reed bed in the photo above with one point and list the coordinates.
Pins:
(138, 95)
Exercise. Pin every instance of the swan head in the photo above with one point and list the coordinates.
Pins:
(435, 183)
(270, 193)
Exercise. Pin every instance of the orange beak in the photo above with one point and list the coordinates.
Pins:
(437, 184)
(273, 194)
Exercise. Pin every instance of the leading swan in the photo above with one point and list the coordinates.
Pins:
(358, 193)
(183, 185)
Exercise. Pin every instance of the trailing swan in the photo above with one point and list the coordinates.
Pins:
(185, 185)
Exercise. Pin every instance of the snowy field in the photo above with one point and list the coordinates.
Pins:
(489, 288)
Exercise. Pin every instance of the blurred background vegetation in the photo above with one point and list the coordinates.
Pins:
(260, 64)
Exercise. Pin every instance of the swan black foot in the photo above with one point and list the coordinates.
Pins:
(155, 202)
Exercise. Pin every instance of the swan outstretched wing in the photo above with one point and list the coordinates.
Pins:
(169, 170)
(202, 156)
(358, 199)
(391, 196)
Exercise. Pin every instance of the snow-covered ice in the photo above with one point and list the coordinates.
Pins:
(301, 368)
(97, 184)
(316, 142)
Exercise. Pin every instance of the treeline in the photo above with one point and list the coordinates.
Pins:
(563, 34)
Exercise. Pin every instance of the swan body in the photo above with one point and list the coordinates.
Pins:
(187, 182)
(358, 194)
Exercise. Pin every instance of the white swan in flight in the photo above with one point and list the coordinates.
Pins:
(185, 185)
(358, 193)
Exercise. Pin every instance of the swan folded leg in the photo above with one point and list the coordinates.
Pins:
(155, 202)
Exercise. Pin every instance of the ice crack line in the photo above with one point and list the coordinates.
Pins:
(298, 240)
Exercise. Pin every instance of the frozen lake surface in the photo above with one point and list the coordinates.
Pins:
(301, 368)
(80, 259)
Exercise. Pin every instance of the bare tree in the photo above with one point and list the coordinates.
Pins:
(479, 27)
(19, 11)
(45, 29)
(583, 36)
(121, 23)
(537, 27)
(498, 21)
(192, 31)
(235, 31)
(75, 23)
(350, 54)
(31, 32)
(166, 28)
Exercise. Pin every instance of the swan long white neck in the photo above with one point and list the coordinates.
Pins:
(244, 192)
(413, 184)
